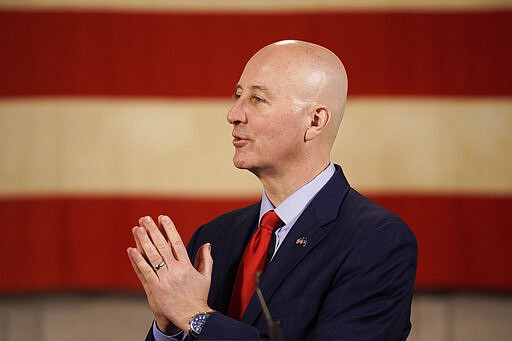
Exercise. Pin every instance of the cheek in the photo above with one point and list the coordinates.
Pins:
(292, 129)
(287, 138)
(285, 131)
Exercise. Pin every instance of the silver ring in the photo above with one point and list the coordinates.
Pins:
(159, 265)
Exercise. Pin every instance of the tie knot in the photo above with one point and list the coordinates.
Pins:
(271, 221)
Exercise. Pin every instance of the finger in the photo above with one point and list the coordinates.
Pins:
(141, 278)
(138, 272)
(204, 261)
(141, 267)
(137, 242)
(158, 239)
(178, 248)
(148, 247)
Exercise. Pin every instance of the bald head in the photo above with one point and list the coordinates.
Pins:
(310, 73)
(289, 105)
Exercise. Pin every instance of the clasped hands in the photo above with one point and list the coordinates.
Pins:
(176, 290)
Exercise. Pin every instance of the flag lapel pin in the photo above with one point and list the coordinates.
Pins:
(303, 241)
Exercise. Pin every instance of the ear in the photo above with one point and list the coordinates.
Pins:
(319, 119)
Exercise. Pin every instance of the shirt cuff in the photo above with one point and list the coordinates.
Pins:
(159, 336)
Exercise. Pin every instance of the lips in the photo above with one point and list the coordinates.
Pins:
(239, 141)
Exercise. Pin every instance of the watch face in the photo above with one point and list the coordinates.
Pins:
(197, 323)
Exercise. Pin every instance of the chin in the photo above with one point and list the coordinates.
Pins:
(242, 163)
(239, 163)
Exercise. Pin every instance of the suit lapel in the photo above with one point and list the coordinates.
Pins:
(312, 227)
(245, 227)
(224, 273)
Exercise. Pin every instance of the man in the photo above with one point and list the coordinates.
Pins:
(340, 267)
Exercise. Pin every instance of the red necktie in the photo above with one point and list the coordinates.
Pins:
(252, 261)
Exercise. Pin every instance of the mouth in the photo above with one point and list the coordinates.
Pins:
(239, 141)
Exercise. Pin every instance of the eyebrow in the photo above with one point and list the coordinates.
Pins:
(253, 87)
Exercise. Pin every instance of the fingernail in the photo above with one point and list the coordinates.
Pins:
(147, 219)
(166, 219)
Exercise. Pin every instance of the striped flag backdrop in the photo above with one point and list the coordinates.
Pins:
(111, 110)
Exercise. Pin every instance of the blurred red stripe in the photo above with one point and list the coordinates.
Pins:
(78, 243)
(201, 55)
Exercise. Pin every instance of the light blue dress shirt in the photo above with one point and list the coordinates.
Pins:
(293, 206)
(289, 211)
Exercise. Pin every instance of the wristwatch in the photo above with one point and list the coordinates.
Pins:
(197, 323)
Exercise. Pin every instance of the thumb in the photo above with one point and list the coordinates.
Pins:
(204, 261)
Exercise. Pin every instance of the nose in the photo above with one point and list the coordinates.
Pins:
(236, 114)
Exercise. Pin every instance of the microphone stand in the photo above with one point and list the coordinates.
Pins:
(274, 327)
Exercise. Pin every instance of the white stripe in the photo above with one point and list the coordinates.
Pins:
(453, 145)
(174, 147)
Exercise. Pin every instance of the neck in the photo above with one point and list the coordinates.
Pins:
(280, 185)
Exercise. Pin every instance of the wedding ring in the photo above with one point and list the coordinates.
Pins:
(159, 265)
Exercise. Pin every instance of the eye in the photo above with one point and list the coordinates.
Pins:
(236, 96)
(258, 99)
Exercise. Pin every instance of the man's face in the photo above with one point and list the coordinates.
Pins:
(268, 120)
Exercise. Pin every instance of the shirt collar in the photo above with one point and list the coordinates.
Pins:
(294, 205)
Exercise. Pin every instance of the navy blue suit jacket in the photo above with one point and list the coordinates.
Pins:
(352, 280)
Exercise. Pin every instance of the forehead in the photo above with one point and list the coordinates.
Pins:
(266, 74)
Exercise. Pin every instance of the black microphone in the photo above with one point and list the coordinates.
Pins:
(274, 327)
